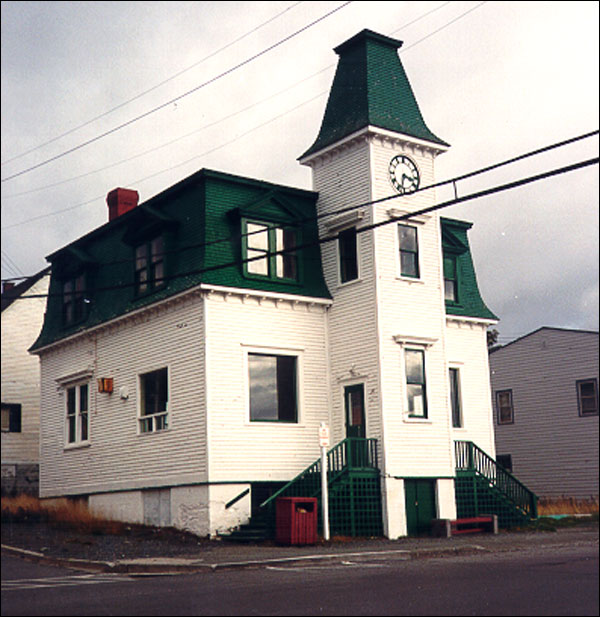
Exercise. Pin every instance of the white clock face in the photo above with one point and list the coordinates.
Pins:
(404, 174)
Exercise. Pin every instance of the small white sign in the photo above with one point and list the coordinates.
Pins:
(324, 436)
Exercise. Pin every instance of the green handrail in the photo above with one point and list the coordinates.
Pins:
(351, 453)
(470, 457)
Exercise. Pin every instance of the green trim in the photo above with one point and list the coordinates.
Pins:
(455, 245)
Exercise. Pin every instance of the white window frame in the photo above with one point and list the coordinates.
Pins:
(78, 415)
(158, 422)
(414, 343)
(297, 353)
(458, 369)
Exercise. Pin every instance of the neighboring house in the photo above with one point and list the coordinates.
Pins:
(545, 393)
(22, 317)
(194, 344)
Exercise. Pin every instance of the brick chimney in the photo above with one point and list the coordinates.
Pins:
(120, 201)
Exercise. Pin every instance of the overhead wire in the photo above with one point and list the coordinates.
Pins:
(228, 117)
(179, 97)
(393, 219)
(155, 87)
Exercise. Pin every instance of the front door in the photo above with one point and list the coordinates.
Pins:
(420, 505)
(355, 425)
(355, 410)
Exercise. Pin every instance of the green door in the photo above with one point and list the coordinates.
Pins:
(420, 506)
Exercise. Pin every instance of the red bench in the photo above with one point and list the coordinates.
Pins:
(474, 524)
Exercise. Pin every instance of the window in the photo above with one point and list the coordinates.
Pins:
(260, 242)
(347, 250)
(77, 414)
(409, 251)
(74, 300)
(505, 460)
(450, 279)
(504, 407)
(149, 266)
(415, 383)
(455, 404)
(154, 401)
(11, 418)
(273, 388)
(587, 397)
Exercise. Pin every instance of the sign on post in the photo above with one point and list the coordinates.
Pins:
(324, 444)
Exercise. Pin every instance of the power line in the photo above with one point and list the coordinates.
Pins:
(333, 237)
(178, 98)
(228, 117)
(217, 122)
(158, 85)
(345, 209)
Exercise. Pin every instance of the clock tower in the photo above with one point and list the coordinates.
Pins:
(371, 163)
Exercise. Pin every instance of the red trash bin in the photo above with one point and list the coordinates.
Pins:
(296, 521)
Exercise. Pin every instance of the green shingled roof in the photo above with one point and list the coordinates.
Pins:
(370, 88)
(199, 219)
(455, 242)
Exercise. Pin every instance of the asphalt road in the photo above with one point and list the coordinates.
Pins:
(544, 581)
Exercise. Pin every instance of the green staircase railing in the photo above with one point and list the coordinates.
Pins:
(352, 453)
(354, 488)
(486, 483)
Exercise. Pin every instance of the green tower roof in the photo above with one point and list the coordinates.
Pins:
(370, 88)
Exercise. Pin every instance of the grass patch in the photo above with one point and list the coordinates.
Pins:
(567, 505)
(66, 514)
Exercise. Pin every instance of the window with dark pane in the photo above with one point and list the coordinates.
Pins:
(348, 257)
(450, 279)
(415, 383)
(273, 389)
(455, 403)
(587, 396)
(409, 251)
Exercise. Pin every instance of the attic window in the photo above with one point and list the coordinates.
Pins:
(268, 251)
(149, 266)
(74, 307)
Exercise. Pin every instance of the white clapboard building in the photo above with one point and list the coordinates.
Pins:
(195, 343)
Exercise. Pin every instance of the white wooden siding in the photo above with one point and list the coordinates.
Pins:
(343, 179)
(466, 344)
(21, 324)
(118, 457)
(554, 450)
(241, 450)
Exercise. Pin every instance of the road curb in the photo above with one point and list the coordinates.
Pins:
(172, 566)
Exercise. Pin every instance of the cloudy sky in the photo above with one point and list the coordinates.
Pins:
(97, 95)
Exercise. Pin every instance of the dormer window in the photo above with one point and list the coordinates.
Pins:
(450, 279)
(74, 300)
(149, 266)
(261, 246)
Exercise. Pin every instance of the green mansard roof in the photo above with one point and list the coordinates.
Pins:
(456, 243)
(370, 88)
(200, 220)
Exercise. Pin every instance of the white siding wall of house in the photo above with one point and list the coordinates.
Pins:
(554, 449)
(239, 323)
(21, 323)
(118, 460)
(342, 177)
(466, 344)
